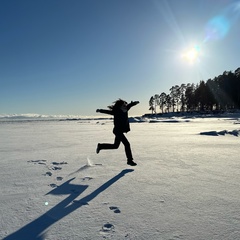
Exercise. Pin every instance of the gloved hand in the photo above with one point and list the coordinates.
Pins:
(135, 102)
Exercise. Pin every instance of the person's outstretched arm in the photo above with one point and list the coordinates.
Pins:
(105, 111)
(131, 104)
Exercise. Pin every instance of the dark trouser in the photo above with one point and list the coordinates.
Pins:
(119, 137)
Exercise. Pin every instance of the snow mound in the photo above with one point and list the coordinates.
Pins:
(136, 120)
(167, 121)
(221, 133)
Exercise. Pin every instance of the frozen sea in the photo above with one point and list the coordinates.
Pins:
(55, 187)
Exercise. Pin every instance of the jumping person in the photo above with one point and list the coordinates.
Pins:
(121, 125)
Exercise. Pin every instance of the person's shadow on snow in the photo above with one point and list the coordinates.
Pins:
(37, 229)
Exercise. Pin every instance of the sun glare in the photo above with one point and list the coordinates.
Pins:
(191, 55)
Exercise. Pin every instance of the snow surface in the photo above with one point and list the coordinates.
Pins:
(185, 186)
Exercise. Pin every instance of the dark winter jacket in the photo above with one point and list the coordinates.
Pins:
(121, 122)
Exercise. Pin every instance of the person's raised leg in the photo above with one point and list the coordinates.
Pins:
(105, 146)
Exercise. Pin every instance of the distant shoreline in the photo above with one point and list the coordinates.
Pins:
(38, 117)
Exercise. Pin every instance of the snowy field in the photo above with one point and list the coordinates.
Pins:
(55, 187)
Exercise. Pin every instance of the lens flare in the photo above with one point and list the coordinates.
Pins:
(219, 26)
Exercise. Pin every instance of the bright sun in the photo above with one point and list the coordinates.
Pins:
(191, 55)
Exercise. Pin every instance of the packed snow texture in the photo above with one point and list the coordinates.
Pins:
(55, 187)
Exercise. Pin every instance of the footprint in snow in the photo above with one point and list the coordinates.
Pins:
(74, 191)
(108, 227)
(48, 174)
(53, 185)
(177, 237)
(56, 165)
(107, 231)
(56, 168)
(59, 163)
(87, 178)
(38, 161)
(59, 178)
(115, 209)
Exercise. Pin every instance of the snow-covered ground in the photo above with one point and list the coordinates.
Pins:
(55, 187)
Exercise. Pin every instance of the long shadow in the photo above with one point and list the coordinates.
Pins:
(37, 229)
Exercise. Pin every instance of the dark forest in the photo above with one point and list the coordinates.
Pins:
(219, 94)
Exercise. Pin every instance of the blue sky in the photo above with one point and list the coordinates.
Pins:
(74, 56)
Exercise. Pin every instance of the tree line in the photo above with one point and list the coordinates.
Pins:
(221, 93)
